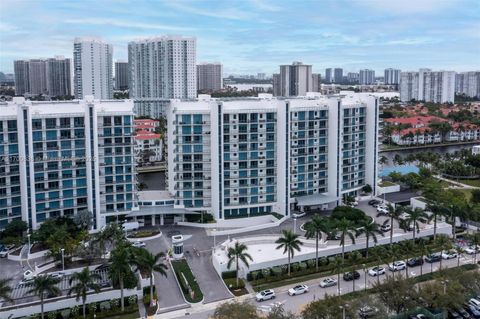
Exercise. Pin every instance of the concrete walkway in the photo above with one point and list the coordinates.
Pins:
(458, 184)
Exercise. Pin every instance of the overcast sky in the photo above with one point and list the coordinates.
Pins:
(251, 36)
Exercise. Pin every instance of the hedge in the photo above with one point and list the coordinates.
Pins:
(229, 274)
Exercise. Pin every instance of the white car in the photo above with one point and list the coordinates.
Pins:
(382, 210)
(397, 265)
(474, 302)
(386, 227)
(449, 255)
(328, 282)
(265, 295)
(298, 290)
(376, 271)
(3, 253)
(470, 250)
(29, 275)
(57, 275)
(139, 244)
(298, 214)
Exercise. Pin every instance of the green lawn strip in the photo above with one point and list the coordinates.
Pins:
(471, 182)
(179, 267)
(386, 184)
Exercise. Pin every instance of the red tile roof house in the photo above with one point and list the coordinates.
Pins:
(148, 146)
(146, 125)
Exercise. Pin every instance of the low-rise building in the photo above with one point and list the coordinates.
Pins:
(148, 147)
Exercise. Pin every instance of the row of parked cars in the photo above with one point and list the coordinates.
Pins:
(470, 309)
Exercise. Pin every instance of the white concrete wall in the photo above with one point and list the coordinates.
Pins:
(388, 189)
(415, 202)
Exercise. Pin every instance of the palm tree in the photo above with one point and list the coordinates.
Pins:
(239, 251)
(148, 263)
(120, 268)
(436, 210)
(44, 286)
(337, 269)
(379, 254)
(5, 289)
(370, 229)
(394, 213)
(346, 229)
(84, 281)
(415, 216)
(423, 251)
(408, 246)
(355, 256)
(395, 251)
(315, 228)
(445, 244)
(289, 242)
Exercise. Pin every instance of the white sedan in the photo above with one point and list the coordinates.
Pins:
(298, 290)
(139, 244)
(376, 271)
(470, 250)
(328, 282)
(397, 265)
(449, 255)
(29, 275)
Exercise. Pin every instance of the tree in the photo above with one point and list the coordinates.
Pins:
(314, 229)
(331, 307)
(289, 242)
(367, 189)
(475, 241)
(14, 230)
(445, 244)
(235, 310)
(397, 294)
(436, 209)
(238, 252)
(120, 268)
(148, 263)
(379, 253)
(442, 294)
(84, 281)
(383, 160)
(5, 289)
(369, 229)
(337, 269)
(394, 213)
(84, 219)
(414, 217)
(44, 287)
(346, 229)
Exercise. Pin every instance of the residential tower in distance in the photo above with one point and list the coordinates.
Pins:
(121, 75)
(209, 77)
(427, 85)
(294, 80)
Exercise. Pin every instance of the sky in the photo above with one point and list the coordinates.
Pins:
(252, 36)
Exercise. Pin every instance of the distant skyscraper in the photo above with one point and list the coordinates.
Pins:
(428, 86)
(59, 76)
(261, 76)
(276, 84)
(316, 82)
(93, 73)
(121, 75)
(329, 75)
(21, 77)
(37, 76)
(468, 83)
(352, 77)
(338, 75)
(295, 79)
(408, 86)
(392, 76)
(367, 77)
(163, 67)
(209, 77)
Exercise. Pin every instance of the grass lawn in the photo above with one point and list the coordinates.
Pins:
(386, 184)
(471, 182)
(467, 192)
(181, 267)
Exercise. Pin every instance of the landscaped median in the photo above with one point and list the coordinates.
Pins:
(188, 284)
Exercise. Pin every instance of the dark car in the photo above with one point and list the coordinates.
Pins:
(453, 314)
(433, 258)
(332, 236)
(413, 262)
(102, 267)
(374, 202)
(367, 312)
(472, 310)
(463, 313)
(351, 275)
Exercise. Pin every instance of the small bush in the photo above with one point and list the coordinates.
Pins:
(229, 274)
(232, 283)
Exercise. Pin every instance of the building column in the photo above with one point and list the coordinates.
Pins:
(161, 220)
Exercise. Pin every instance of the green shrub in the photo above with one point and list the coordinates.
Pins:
(232, 283)
(229, 274)
(277, 271)
(181, 266)
(311, 263)
(302, 265)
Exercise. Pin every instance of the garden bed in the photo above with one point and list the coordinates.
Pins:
(143, 233)
(37, 247)
(188, 283)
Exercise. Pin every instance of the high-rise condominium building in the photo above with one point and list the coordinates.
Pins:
(209, 77)
(121, 75)
(276, 85)
(65, 157)
(352, 77)
(392, 76)
(316, 82)
(428, 86)
(329, 75)
(295, 79)
(338, 75)
(93, 68)
(247, 157)
(468, 83)
(162, 68)
(43, 76)
(366, 77)
(22, 84)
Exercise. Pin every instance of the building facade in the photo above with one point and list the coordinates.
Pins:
(329, 75)
(468, 83)
(352, 77)
(392, 76)
(59, 158)
(59, 78)
(316, 82)
(93, 68)
(409, 86)
(210, 77)
(427, 85)
(295, 79)
(121, 75)
(22, 85)
(366, 77)
(338, 75)
(248, 157)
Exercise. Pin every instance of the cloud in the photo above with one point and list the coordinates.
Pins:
(229, 14)
(396, 7)
(265, 5)
(125, 24)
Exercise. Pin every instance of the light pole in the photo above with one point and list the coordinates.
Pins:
(365, 275)
(63, 259)
(28, 235)
(294, 225)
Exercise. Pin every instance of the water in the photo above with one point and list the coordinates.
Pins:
(153, 181)
(403, 169)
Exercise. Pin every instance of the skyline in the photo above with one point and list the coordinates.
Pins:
(249, 37)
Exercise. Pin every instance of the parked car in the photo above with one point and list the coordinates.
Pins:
(386, 228)
(332, 236)
(57, 275)
(3, 253)
(474, 311)
(102, 267)
(433, 257)
(449, 255)
(453, 314)
(348, 276)
(374, 202)
(418, 316)
(376, 271)
(298, 290)
(28, 274)
(104, 283)
(470, 250)
(382, 211)
(298, 214)
(265, 295)
(139, 244)
(397, 265)
(474, 302)
(328, 282)
(463, 313)
(367, 312)
(416, 261)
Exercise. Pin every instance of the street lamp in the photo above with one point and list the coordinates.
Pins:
(63, 259)
(28, 235)
(365, 275)
(294, 225)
